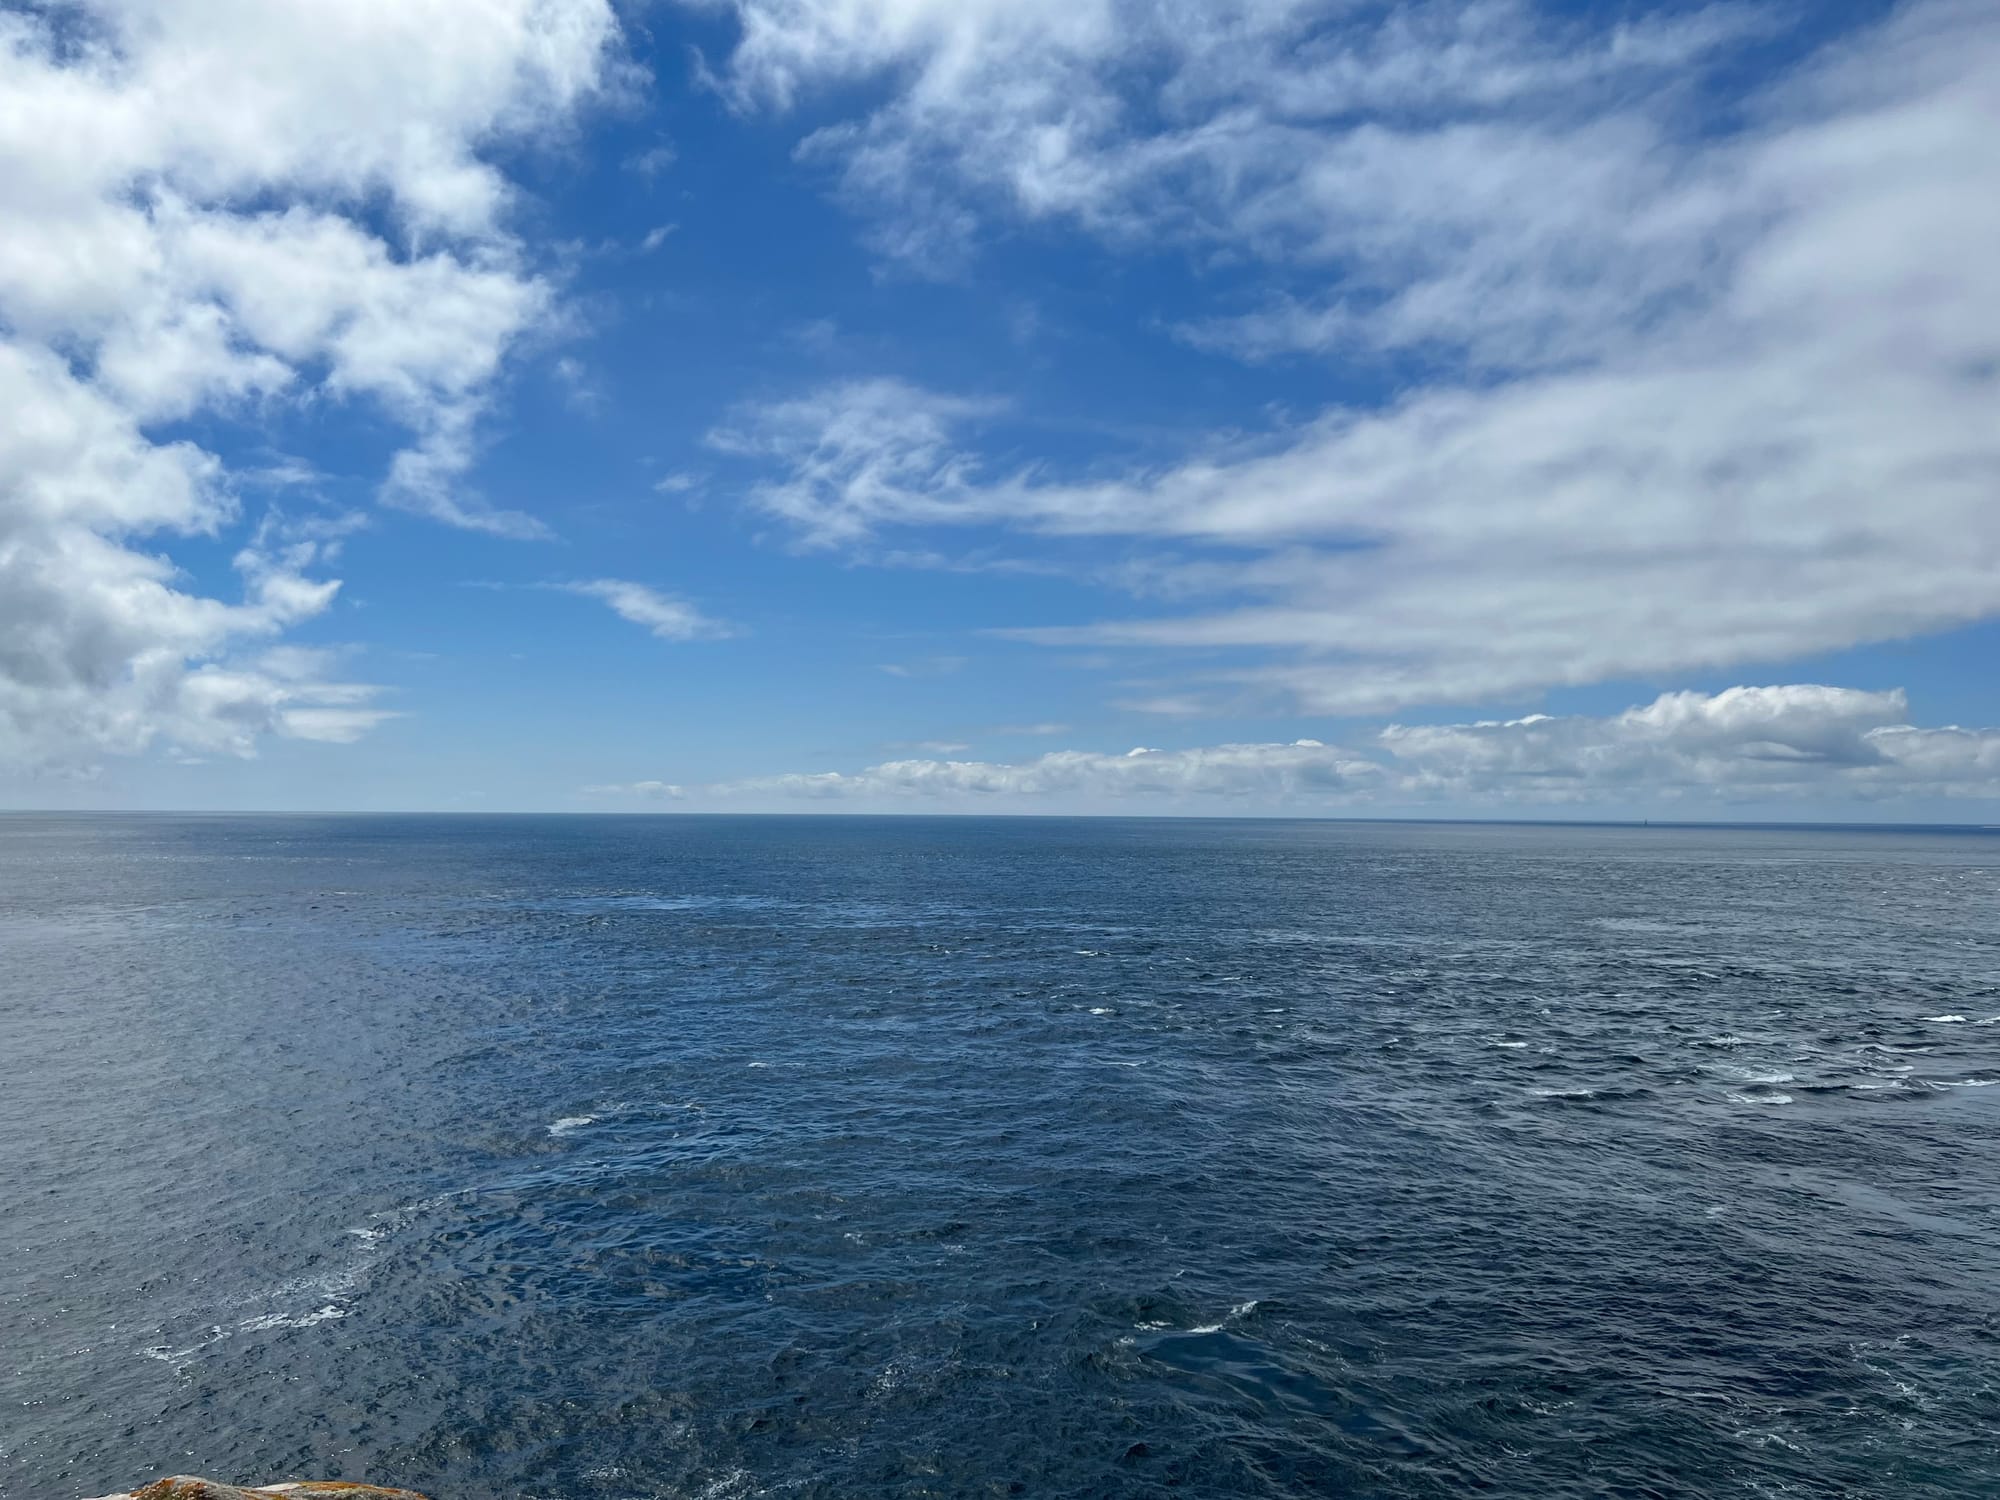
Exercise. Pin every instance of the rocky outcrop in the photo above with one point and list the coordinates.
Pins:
(187, 1487)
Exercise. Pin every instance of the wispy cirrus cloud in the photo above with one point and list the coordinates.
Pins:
(1690, 397)
(1302, 130)
(850, 456)
(925, 666)
(669, 618)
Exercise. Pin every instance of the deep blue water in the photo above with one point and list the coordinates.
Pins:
(591, 1158)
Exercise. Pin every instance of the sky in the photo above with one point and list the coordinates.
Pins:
(1454, 408)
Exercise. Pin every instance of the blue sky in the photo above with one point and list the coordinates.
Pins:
(1476, 408)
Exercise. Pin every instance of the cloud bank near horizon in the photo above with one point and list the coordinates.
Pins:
(1690, 750)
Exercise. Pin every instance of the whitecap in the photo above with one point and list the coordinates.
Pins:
(1102, 1010)
(1507, 1044)
(324, 1314)
(1942, 1020)
(1965, 1083)
(570, 1123)
(341, 1282)
(1563, 1093)
(161, 1352)
(326, 1297)
(1767, 1440)
(1770, 1098)
(1240, 1310)
(728, 1486)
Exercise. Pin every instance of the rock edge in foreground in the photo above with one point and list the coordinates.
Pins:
(188, 1487)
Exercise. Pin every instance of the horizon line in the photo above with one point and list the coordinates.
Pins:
(1771, 824)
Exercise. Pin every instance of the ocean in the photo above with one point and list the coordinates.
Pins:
(592, 1158)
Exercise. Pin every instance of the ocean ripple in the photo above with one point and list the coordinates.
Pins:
(598, 1158)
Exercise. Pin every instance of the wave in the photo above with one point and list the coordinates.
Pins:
(324, 1314)
(1240, 1310)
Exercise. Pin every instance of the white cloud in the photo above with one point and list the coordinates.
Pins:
(212, 204)
(96, 639)
(580, 388)
(856, 454)
(1699, 399)
(1280, 771)
(1788, 740)
(668, 618)
(640, 791)
(1167, 705)
(649, 164)
(1275, 125)
(927, 666)
(1687, 751)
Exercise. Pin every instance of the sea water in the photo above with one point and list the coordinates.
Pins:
(587, 1158)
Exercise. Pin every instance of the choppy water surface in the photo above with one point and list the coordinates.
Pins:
(593, 1158)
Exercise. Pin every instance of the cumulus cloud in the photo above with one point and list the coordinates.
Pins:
(1793, 740)
(666, 617)
(96, 638)
(1693, 397)
(211, 207)
(1279, 771)
(1741, 744)
(1689, 750)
